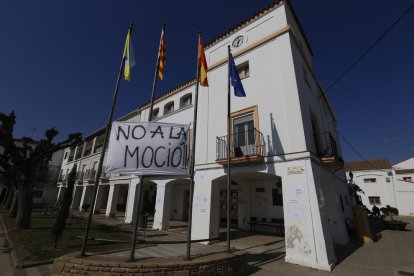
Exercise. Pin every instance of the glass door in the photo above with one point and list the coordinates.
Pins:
(243, 135)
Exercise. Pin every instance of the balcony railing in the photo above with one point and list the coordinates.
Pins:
(328, 150)
(90, 175)
(62, 178)
(79, 176)
(245, 147)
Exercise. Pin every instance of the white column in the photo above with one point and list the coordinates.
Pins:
(206, 212)
(307, 237)
(93, 144)
(112, 200)
(131, 201)
(99, 198)
(84, 194)
(162, 205)
(60, 194)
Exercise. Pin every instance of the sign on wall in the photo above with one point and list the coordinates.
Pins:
(148, 148)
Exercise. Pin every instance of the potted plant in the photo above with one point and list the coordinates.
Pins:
(389, 221)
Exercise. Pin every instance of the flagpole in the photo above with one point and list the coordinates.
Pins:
(193, 146)
(141, 179)
(228, 152)
(101, 159)
(154, 84)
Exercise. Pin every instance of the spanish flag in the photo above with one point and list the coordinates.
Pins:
(128, 56)
(161, 57)
(203, 63)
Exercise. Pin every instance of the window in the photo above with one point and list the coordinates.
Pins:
(99, 143)
(155, 113)
(316, 132)
(66, 155)
(168, 108)
(243, 70)
(277, 197)
(370, 180)
(88, 148)
(245, 138)
(60, 176)
(408, 179)
(186, 100)
(374, 200)
(71, 154)
(79, 151)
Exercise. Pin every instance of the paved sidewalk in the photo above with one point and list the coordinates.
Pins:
(392, 254)
(6, 266)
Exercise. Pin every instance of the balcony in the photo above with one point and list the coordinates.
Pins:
(328, 151)
(62, 178)
(247, 147)
(79, 177)
(90, 176)
(105, 177)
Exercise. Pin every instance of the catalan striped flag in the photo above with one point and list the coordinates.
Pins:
(203, 63)
(128, 56)
(161, 56)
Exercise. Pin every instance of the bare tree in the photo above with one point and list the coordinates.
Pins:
(28, 161)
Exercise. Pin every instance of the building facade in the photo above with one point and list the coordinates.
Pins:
(44, 190)
(285, 156)
(384, 184)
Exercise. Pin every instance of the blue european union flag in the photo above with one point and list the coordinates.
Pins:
(235, 79)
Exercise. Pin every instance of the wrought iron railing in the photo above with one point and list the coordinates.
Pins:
(327, 145)
(79, 176)
(245, 143)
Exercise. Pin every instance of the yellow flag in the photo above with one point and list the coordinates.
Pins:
(129, 57)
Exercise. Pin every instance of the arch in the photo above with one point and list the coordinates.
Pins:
(186, 100)
(254, 196)
(172, 201)
(168, 108)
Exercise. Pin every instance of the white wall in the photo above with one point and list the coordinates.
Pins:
(404, 192)
(406, 164)
(381, 188)
(177, 197)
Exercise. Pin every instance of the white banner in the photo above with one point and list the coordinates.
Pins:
(148, 148)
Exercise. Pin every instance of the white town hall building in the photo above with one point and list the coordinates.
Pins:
(286, 163)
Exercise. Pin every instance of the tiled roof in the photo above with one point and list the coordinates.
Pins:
(368, 165)
(405, 171)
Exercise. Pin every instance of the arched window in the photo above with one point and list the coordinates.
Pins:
(168, 108)
(155, 113)
(186, 100)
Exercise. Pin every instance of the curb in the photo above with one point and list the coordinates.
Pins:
(12, 254)
(15, 263)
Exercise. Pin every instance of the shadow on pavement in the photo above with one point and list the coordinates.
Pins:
(256, 260)
(344, 251)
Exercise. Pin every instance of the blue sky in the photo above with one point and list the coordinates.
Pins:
(59, 61)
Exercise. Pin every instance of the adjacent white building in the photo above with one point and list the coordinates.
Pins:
(44, 190)
(385, 184)
(285, 154)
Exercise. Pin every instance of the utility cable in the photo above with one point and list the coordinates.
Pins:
(358, 153)
(369, 48)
